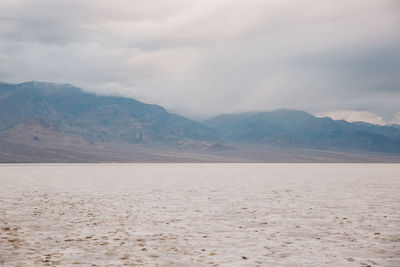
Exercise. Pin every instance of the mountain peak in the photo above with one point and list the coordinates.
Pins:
(96, 118)
(67, 113)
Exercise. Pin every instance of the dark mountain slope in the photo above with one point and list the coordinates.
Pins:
(300, 129)
(96, 118)
(47, 122)
(397, 126)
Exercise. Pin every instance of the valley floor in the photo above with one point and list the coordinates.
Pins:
(200, 215)
(12, 151)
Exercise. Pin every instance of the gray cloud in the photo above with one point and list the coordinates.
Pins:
(201, 58)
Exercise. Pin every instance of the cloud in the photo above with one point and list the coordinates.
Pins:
(201, 58)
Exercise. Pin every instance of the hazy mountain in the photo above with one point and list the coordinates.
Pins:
(395, 126)
(60, 110)
(300, 129)
(47, 122)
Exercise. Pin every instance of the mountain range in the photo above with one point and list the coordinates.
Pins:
(48, 122)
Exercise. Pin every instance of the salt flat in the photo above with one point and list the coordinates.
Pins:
(200, 215)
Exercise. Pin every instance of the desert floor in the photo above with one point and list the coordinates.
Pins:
(200, 215)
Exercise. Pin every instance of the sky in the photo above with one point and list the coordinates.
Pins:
(334, 58)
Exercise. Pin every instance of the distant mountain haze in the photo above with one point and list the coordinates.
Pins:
(298, 128)
(37, 115)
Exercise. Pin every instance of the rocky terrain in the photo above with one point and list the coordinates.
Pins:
(47, 122)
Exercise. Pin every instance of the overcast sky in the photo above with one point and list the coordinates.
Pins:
(200, 58)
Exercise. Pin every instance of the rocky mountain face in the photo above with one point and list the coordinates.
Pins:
(300, 129)
(58, 110)
(61, 122)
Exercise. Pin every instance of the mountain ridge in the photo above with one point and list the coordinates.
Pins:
(299, 128)
(97, 118)
(53, 116)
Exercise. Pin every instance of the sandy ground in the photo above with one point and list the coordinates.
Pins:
(200, 215)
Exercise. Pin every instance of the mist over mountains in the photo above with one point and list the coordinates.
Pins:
(298, 128)
(59, 122)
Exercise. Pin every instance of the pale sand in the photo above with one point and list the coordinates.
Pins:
(199, 215)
